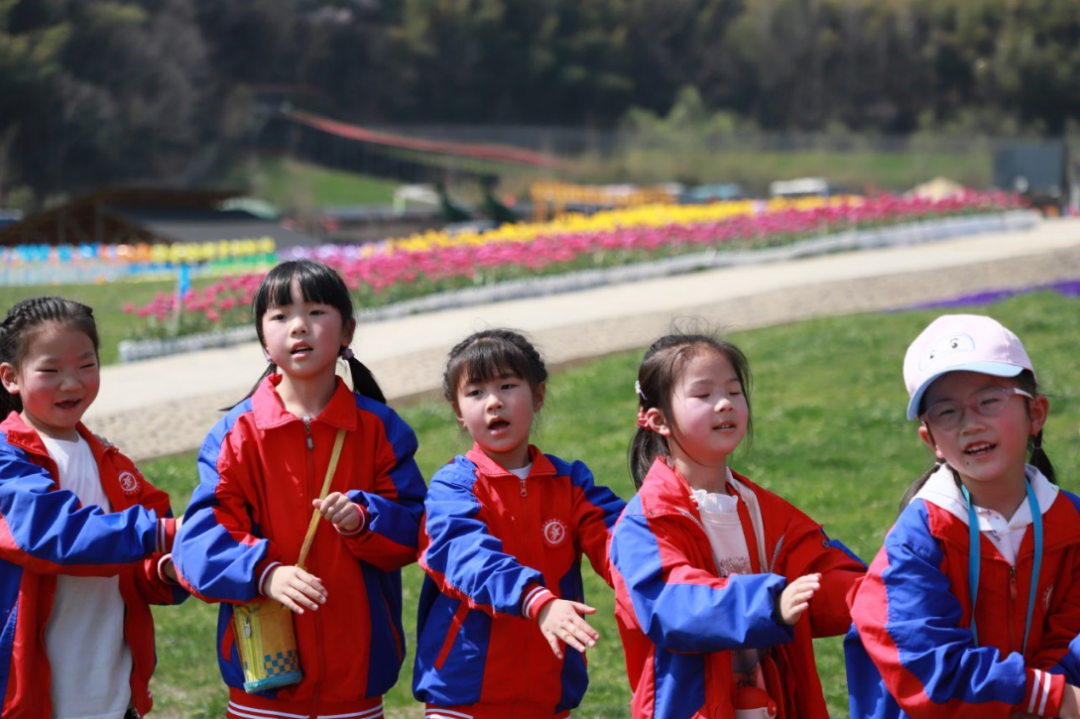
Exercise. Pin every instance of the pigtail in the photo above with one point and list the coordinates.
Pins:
(271, 368)
(645, 447)
(915, 486)
(1039, 460)
(364, 381)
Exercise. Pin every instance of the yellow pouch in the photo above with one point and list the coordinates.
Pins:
(267, 644)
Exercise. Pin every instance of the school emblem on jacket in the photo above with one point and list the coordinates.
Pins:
(554, 531)
(129, 483)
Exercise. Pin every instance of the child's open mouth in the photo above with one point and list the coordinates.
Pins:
(725, 426)
(69, 404)
(499, 424)
(303, 349)
(981, 448)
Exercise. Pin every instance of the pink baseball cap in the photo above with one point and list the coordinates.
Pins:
(954, 343)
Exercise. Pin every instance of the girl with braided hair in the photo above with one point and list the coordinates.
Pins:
(83, 536)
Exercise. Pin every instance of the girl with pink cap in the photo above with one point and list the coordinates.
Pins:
(972, 607)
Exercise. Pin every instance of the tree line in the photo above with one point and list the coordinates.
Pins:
(100, 91)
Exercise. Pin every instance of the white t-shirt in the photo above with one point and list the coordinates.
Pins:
(521, 472)
(84, 637)
(720, 516)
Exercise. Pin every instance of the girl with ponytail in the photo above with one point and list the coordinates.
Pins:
(721, 586)
(972, 607)
(265, 462)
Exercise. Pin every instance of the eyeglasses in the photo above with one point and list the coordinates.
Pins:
(986, 403)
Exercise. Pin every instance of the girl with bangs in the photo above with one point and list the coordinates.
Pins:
(501, 625)
(261, 469)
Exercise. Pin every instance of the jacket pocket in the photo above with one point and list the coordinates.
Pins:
(451, 634)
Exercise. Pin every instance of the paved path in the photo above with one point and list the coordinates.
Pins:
(163, 406)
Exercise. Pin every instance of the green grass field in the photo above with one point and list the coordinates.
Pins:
(107, 299)
(830, 435)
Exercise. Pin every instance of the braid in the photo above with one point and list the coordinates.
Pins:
(1039, 460)
(915, 486)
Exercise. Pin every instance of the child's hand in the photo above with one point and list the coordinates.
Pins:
(339, 509)
(795, 599)
(295, 588)
(169, 570)
(560, 621)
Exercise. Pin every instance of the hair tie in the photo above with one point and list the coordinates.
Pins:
(266, 354)
(637, 388)
(347, 353)
(641, 421)
(1037, 442)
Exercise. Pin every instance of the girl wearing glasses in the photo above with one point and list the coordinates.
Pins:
(972, 607)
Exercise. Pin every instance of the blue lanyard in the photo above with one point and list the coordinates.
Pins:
(975, 550)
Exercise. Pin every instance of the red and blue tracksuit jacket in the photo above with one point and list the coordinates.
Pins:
(45, 532)
(680, 620)
(911, 651)
(259, 470)
(496, 548)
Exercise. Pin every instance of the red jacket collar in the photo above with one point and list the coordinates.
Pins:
(665, 489)
(269, 411)
(541, 465)
(26, 437)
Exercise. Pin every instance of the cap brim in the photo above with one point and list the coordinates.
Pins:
(995, 369)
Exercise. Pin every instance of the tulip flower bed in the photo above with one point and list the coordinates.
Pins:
(397, 270)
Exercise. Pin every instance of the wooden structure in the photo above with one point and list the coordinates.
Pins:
(125, 216)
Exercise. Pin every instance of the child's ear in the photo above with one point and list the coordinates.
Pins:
(538, 396)
(9, 377)
(1040, 408)
(927, 437)
(348, 329)
(655, 421)
(457, 415)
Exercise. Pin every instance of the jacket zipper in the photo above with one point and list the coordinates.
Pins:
(307, 431)
(524, 492)
(315, 618)
(1012, 610)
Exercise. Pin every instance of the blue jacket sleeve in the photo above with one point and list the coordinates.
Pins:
(909, 622)
(683, 608)
(392, 511)
(44, 530)
(217, 554)
(462, 557)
